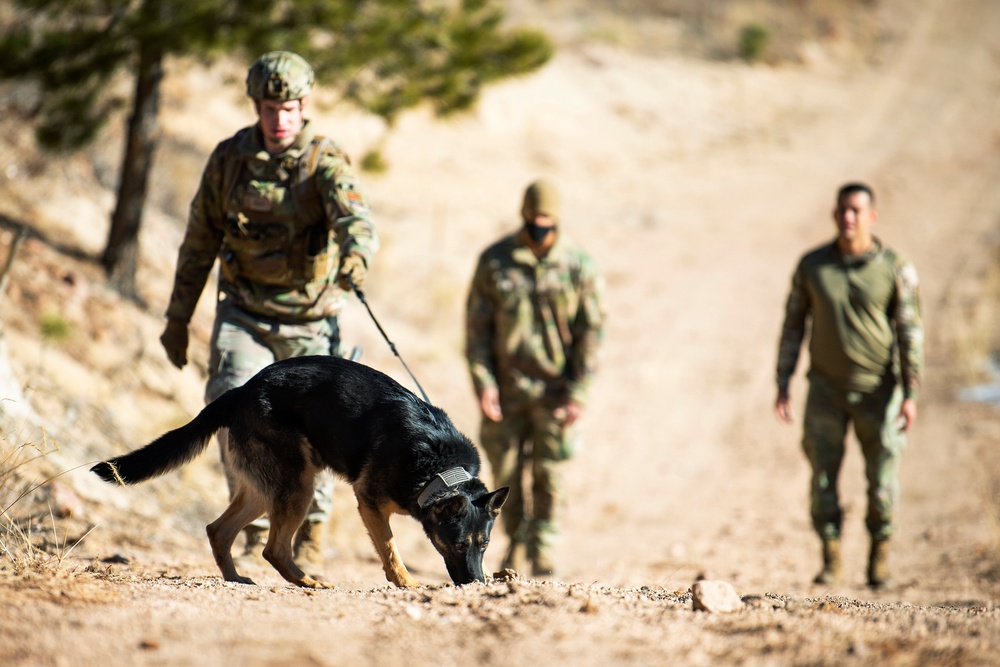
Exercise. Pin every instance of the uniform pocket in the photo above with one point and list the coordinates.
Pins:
(259, 252)
(554, 440)
(321, 255)
(512, 290)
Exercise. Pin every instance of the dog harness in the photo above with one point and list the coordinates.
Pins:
(443, 480)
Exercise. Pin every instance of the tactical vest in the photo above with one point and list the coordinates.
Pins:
(276, 230)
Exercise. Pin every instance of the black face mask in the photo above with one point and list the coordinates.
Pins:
(537, 232)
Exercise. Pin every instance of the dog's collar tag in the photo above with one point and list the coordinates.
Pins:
(443, 480)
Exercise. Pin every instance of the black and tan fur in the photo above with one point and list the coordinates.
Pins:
(300, 415)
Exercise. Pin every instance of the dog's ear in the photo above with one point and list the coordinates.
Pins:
(449, 508)
(495, 500)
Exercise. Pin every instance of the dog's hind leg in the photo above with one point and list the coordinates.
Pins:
(286, 516)
(244, 508)
(376, 520)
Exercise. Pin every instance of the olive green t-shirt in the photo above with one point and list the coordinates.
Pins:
(861, 309)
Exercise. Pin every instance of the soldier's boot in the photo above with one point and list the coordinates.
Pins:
(878, 564)
(308, 545)
(253, 547)
(540, 547)
(542, 565)
(833, 570)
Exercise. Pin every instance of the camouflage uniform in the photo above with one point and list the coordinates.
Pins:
(279, 225)
(866, 350)
(532, 330)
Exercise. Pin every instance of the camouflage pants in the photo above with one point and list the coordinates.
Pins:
(528, 441)
(874, 416)
(242, 344)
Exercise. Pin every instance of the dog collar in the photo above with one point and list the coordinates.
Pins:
(443, 480)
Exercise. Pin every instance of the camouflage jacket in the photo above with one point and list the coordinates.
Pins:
(533, 325)
(865, 319)
(278, 232)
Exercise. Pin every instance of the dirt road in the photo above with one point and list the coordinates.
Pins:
(696, 186)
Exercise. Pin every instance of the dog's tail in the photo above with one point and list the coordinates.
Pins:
(172, 449)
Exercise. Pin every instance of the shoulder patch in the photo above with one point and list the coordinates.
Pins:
(350, 197)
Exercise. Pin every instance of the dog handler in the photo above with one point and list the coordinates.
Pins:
(281, 208)
(866, 349)
(534, 322)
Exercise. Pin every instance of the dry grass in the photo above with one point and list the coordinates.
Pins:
(33, 536)
(16, 530)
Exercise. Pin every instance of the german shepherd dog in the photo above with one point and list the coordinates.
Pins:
(400, 455)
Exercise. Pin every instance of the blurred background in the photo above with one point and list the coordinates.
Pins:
(699, 145)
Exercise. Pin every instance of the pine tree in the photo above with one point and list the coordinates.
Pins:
(383, 55)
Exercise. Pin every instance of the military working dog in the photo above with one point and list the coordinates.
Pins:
(400, 455)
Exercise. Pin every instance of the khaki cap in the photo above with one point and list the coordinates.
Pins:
(542, 198)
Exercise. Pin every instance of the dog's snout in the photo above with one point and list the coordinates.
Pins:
(466, 571)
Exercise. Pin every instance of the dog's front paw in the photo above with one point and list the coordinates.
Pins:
(405, 582)
(315, 584)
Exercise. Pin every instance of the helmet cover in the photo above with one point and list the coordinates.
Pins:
(279, 75)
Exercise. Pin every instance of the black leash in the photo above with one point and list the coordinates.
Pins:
(363, 300)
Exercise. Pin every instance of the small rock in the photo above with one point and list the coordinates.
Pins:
(117, 559)
(717, 597)
(756, 602)
(67, 503)
(826, 605)
(794, 604)
(858, 649)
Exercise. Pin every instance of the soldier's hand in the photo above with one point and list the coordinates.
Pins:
(489, 401)
(175, 342)
(907, 414)
(783, 407)
(352, 270)
(568, 413)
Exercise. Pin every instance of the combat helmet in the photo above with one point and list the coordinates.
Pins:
(279, 75)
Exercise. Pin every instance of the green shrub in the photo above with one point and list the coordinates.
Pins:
(374, 162)
(55, 328)
(753, 42)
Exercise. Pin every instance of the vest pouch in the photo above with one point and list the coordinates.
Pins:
(321, 257)
(260, 252)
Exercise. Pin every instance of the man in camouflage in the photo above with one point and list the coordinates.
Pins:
(281, 209)
(866, 350)
(534, 322)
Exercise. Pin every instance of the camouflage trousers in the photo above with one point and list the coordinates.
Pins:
(525, 450)
(875, 416)
(242, 344)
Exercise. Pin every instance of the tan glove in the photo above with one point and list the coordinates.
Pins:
(352, 269)
(175, 342)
